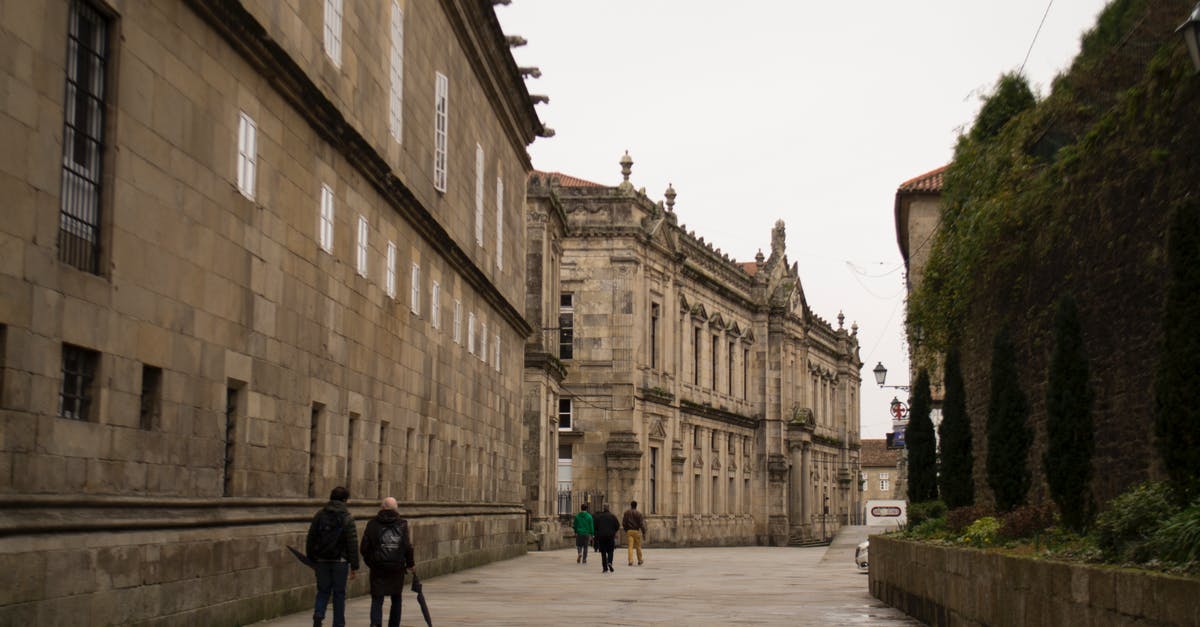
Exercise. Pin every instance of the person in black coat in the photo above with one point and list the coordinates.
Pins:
(606, 526)
(387, 536)
(330, 545)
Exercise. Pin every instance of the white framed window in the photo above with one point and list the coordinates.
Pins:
(396, 74)
(496, 351)
(884, 482)
(457, 321)
(435, 305)
(479, 195)
(333, 31)
(247, 152)
(471, 333)
(566, 420)
(483, 354)
(325, 223)
(441, 112)
(499, 223)
(414, 295)
(361, 246)
(390, 270)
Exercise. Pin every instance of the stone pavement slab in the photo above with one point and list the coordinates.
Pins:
(698, 586)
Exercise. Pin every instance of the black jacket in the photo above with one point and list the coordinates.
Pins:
(348, 546)
(384, 580)
(606, 525)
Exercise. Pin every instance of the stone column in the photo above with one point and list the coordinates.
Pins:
(623, 460)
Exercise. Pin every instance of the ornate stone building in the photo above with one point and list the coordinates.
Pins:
(252, 250)
(704, 388)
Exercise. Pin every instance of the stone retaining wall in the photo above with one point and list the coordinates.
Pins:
(962, 586)
(201, 563)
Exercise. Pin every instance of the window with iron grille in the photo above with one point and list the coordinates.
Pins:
(499, 223)
(396, 74)
(478, 195)
(83, 137)
(441, 106)
(151, 402)
(333, 31)
(246, 159)
(78, 385)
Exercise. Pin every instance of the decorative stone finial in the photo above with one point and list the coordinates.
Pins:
(854, 328)
(759, 258)
(778, 239)
(626, 170)
(670, 194)
(841, 319)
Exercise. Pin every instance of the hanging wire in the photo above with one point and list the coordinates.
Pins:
(1035, 37)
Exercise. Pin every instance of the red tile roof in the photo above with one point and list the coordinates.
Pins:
(928, 182)
(566, 180)
(749, 267)
(876, 454)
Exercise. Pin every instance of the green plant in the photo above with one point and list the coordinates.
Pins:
(1124, 527)
(1008, 431)
(1067, 461)
(929, 528)
(1177, 384)
(955, 474)
(959, 518)
(920, 512)
(982, 532)
(1177, 540)
(922, 447)
(1026, 521)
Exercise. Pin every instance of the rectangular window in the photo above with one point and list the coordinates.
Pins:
(440, 119)
(698, 494)
(231, 423)
(150, 407)
(696, 437)
(566, 326)
(716, 359)
(471, 333)
(390, 270)
(384, 461)
(479, 194)
(746, 374)
(712, 496)
(695, 356)
(564, 479)
(314, 439)
(715, 443)
(325, 224)
(655, 314)
(731, 504)
(457, 321)
(333, 31)
(499, 223)
(247, 153)
(653, 508)
(566, 416)
(884, 484)
(361, 246)
(729, 380)
(483, 341)
(496, 351)
(414, 294)
(83, 137)
(435, 305)
(396, 75)
(79, 367)
(352, 442)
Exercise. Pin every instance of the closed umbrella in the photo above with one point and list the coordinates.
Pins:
(303, 558)
(418, 587)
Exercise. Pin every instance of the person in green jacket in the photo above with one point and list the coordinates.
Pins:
(583, 533)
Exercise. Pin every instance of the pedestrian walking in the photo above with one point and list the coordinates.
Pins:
(634, 524)
(584, 530)
(387, 549)
(332, 545)
(606, 527)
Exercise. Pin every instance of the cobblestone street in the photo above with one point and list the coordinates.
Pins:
(704, 586)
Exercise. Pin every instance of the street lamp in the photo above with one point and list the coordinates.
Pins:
(1191, 35)
(881, 376)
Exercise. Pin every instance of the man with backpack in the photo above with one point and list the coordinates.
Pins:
(387, 549)
(331, 544)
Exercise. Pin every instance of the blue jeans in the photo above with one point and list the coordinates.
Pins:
(331, 579)
(377, 610)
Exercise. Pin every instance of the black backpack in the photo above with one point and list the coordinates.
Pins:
(392, 547)
(328, 544)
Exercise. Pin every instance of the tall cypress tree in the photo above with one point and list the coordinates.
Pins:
(1067, 461)
(922, 448)
(955, 474)
(1177, 385)
(1008, 430)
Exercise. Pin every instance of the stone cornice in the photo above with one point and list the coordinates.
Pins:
(720, 415)
(250, 39)
(551, 365)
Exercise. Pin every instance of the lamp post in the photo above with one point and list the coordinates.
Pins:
(1191, 35)
(881, 376)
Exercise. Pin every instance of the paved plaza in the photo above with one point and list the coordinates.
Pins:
(703, 586)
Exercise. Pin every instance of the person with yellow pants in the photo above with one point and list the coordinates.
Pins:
(634, 525)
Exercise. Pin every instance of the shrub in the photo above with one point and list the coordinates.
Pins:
(1008, 433)
(929, 528)
(1123, 529)
(1026, 521)
(982, 532)
(956, 476)
(959, 518)
(921, 512)
(1067, 461)
(922, 446)
(1178, 539)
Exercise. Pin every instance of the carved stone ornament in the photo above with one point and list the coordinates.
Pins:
(657, 431)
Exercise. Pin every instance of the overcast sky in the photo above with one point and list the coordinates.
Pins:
(810, 112)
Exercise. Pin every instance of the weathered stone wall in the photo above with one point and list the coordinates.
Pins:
(960, 586)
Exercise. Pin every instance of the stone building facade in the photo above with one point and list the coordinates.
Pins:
(880, 471)
(252, 250)
(703, 388)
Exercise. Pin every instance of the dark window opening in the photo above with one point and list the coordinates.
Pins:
(79, 375)
(654, 317)
(231, 411)
(151, 404)
(566, 326)
(565, 414)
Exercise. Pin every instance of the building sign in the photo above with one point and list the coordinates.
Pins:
(888, 511)
(896, 439)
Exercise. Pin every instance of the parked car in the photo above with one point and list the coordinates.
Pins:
(860, 554)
